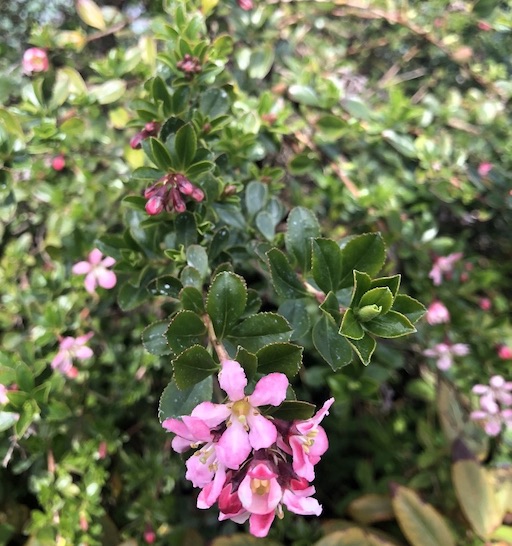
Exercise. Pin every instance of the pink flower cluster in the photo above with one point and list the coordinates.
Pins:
(167, 194)
(249, 464)
(150, 129)
(96, 271)
(71, 348)
(495, 405)
(443, 266)
(444, 352)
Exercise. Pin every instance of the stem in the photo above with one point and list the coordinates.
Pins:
(318, 294)
(216, 344)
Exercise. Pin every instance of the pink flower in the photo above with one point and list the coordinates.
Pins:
(96, 271)
(58, 163)
(444, 352)
(35, 59)
(485, 304)
(443, 265)
(495, 401)
(149, 535)
(71, 348)
(437, 313)
(505, 352)
(484, 169)
(308, 442)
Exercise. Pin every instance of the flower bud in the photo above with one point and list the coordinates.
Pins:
(177, 201)
(368, 312)
(58, 163)
(136, 140)
(197, 195)
(184, 185)
(155, 205)
(505, 352)
(35, 59)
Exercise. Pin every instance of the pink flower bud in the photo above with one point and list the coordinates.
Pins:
(84, 525)
(505, 352)
(246, 5)
(484, 25)
(437, 313)
(184, 185)
(155, 205)
(197, 195)
(135, 141)
(35, 60)
(151, 128)
(149, 535)
(177, 201)
(58, 163)
(102, 450)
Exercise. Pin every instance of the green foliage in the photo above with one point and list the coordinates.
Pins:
(339, 148)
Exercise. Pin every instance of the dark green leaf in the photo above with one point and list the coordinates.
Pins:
(302, 226)
(333, 347)
(130, 296)
(197, 258)
(185, 145)
(280, 357)
(220, 242)
(192, 299)
(186, 229)
(392, 282)
(293, 410)
(160, 92)
(295, 312)
(327, 264)
(197, 169)
(147, 173)
(24, 377)
(160, 154)
(261, 62)
(175, 402)
(350, 326)
(362, 283)
(366, 253)
(248, 361)
(185, 329)
(166, 285)
(266, 224)
(259, 330)
(154, 339)
(364, 348)
(226, 301)
(284, 279)
(190, 276)
(390, 325)
(256, 196)
(331, 127)
(192, 366)
(484, 8)
(231, 215)
(409, 307)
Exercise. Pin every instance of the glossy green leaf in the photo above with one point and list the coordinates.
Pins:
(327, 264)
(185, 145)
(185, 329)
(331, 127)
(129, 297)
(302, 226)
(259, 330)
(214, 103)
(248, 361)
(284, 278)
(390, 325)
(332, 346)
(365, 253)
(160, 154)
(192, 366)
(192, 299)
(166, 285)
(266, 224)
(350, 326)
(198, 258)
(296, 313)
(419, 521)
(303, 94)
(154, 338)
(291, 410)
(256, 196)
(226, 301)
(331, 305)
(175, 402)
(261, 62)
(392, 282)
(403, 144)
(280, 357)
(409, 307)
(364, 347)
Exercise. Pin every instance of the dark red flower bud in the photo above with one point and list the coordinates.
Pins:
(184, 185)
(177, 201)
(136, 140)
(197, 194)
(155, 205)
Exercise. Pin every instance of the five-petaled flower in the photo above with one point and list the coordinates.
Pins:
(437, 313)
(444, 352)
(71, 348)
(35, 59)
(495, 405)
(96, 272)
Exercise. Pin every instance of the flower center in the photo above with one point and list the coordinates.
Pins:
(260, 487)
(241, 408)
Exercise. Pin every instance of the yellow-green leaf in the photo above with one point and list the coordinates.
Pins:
(207, 6)
(108, 92)
(474, 489)
(355, 536)
(371, 508)
(420, 522)
(91, 14)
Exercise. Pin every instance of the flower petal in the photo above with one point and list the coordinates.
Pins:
(232, 379)
(108, 261)
(259, 524)
(81, 268)
(90, 282)
(306, 506)
(95, 256)
(234, 447)
(212, 414)
(83, 352)
(262, 432)
(106, 279)
(270, 389)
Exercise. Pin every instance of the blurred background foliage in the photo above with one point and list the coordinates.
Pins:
(377, 116)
